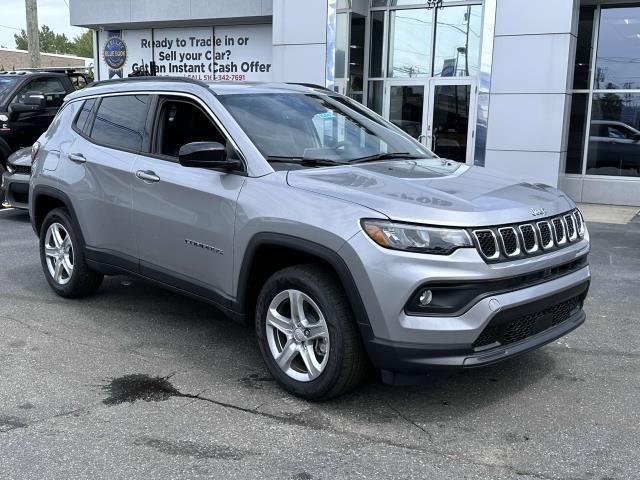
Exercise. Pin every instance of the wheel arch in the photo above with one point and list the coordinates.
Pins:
(267, 253)
(44, 199)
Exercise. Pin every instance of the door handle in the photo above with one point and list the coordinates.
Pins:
(77, 157)
(147, 176)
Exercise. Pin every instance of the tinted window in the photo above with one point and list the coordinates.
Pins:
(6, 83)
(85, 111)
(180, 122)
(51, 88)
(120, 121)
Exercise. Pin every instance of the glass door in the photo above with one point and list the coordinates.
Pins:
(451, 119)
(405, 106)
(439, 113)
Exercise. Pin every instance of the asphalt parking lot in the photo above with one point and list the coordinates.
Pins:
(136, 382)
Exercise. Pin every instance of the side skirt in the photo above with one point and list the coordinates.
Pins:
(108, 263)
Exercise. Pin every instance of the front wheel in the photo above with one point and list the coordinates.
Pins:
(307, 334)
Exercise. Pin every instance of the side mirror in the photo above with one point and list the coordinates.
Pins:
(35, 99)
(209, 155)
(33, 102)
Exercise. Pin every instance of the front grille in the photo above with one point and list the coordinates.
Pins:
(578, 219)
(487, 243)
(571, 228)
(546, 235)
(529, 238)
(520, 328)
(508, 242)
(558, 231)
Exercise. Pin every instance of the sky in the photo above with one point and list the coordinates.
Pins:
(54, 13)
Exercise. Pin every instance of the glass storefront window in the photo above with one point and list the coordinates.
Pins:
(614, 137)
(584, 49)
(618, 58)
(396, 3)
(376, 44)
(375, 96)
(457, 49)
(577, 132)
(406, 106)
(410, 43)
(342, 43)
(356, 58)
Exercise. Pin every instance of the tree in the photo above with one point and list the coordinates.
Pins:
(50, 42)
(82, 45)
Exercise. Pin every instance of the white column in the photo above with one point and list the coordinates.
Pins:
(532, 73)
(299, 41)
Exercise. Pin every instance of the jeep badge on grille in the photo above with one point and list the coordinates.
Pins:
(538, 212)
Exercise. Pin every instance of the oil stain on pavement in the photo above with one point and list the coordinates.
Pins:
(130, 388)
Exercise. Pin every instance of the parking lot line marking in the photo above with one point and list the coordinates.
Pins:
(6, 209)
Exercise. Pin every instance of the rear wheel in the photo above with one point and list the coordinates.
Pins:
(62, 257)
(307, 334)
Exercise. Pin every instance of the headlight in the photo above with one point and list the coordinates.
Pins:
(10, 168)
(416, 238)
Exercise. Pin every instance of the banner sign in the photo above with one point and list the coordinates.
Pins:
(115, 53)
(232, 53)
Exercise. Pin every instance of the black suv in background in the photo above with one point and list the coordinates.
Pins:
(28, 102)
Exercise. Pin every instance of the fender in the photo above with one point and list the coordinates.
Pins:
(311, 248)
(45, 190)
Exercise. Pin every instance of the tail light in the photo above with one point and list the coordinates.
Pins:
(35, 148)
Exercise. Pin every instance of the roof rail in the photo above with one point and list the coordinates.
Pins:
(147, 79)
(311, 85)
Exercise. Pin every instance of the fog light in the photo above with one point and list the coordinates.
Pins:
(425, 298)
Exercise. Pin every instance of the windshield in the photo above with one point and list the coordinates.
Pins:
(307, 127)
(6, 83)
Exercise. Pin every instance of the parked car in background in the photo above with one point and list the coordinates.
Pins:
(29, 99)
(14, 191)
(614, 147)
(341, 238)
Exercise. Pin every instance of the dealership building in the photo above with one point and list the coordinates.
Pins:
(545, 90)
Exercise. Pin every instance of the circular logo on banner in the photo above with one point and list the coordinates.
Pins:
(115, 53)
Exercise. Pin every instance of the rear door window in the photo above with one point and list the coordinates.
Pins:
(120, 121)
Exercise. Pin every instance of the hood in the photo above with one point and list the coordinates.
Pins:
(435, 191)
(20, 158)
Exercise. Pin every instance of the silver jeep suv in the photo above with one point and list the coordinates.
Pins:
(344, 240)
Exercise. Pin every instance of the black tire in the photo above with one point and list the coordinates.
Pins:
(83, 281)
(347, 361)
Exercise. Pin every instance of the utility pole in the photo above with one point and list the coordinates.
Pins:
(33, 37)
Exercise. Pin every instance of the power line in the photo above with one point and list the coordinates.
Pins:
(12, 28)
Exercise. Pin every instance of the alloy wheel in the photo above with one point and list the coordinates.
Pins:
(58, 250)
(298, 336)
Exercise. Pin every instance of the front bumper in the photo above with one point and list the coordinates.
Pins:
(15, 190)
(398, 341)
(411, 358)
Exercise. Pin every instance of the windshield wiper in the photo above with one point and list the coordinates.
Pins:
(311, 162)
(388, 156)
